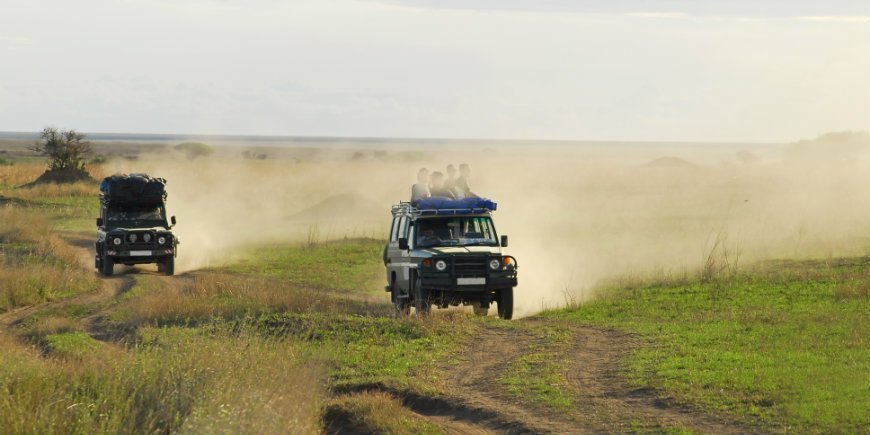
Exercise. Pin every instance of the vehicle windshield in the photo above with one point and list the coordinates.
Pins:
(455, 231)
(137, 217)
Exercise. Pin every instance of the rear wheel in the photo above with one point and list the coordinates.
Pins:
(421, 298)
(401, 306)
(107, 266)
(506, 303)
(480, 310)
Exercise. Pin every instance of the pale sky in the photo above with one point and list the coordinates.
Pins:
(675, 70)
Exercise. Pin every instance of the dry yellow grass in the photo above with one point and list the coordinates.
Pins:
(14, 176)
(376, 412)
(220, 295)
(35, 264)
(176, 380)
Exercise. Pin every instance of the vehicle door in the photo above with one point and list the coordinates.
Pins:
(396, 258)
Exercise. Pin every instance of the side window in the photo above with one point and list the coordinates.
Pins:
(403, 227)
(411, 236)
(394, 234)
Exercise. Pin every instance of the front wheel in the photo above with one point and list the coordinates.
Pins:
(167, 266)
(107, 266)
(506, 303)
(401, 306)
(421, 298)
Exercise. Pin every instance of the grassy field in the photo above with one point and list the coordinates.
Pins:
(297, 335)
(282, 347)
(314, 265)
(785, 343)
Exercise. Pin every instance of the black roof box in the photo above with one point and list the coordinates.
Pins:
(134, 188)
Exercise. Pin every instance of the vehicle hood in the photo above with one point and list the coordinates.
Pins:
(462, 250)
(124, 230)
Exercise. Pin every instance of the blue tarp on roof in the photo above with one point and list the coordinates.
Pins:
(466, 205)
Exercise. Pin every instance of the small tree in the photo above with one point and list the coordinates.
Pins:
(65, 149)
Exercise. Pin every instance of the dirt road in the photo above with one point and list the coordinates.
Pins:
(478, 402)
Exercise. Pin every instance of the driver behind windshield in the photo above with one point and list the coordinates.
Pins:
(154, 215)
(433, 232)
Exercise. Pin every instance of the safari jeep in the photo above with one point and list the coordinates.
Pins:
(132, 227)
(448, 257)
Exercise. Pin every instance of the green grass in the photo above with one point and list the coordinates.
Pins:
(71, 344)
(373, 350)
(786, 345)
(351, 265)
(71, 213)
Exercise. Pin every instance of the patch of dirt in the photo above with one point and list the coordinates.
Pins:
(610, 403)
(61, 176)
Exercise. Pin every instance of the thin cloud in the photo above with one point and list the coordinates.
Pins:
(836, 19)
(670, 15)
(14, 42)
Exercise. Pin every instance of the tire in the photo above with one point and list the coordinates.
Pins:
(168, 266)
(421, 298)
(107, 266)
(479, 310)
(401, 306)
(506, 303)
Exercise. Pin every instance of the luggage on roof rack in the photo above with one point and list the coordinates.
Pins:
(447, 206)
(133, 188)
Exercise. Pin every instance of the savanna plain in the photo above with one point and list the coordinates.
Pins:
(663, 289)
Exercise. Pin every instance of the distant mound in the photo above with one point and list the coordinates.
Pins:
(341, 207)
(670, 162)
(838, 147)
(61, 176)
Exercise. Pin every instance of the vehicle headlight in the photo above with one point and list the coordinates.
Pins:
(116, 241)
(494, 264)
(146, 237)
(133, 238)
(161, 240)
(441, 265)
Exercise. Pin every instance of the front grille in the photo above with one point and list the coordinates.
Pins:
(469, 266)
(140, 239)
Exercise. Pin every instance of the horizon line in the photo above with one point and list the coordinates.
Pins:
(323, 138)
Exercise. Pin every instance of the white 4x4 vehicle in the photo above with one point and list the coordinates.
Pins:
(447, 254)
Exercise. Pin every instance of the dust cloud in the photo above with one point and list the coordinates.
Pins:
(575, 218)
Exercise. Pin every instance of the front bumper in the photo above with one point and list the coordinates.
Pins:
(446, 282)
(140, 255)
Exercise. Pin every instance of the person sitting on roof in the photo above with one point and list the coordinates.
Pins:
(461, 187)
(421, 189)
(450, 184)
(436, 186)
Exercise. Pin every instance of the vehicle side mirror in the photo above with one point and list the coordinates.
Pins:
(403, 243)
(504, 241)
(99, 222)
(172, 219)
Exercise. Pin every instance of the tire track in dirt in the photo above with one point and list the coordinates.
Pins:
(110, 288)
(609, 402)
(476, 401)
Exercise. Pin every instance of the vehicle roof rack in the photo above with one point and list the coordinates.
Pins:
(407, 208)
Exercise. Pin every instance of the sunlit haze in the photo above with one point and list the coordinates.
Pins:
(627, 70)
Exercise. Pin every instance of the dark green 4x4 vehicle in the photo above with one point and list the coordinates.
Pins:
(132, 227)
(448, 254)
